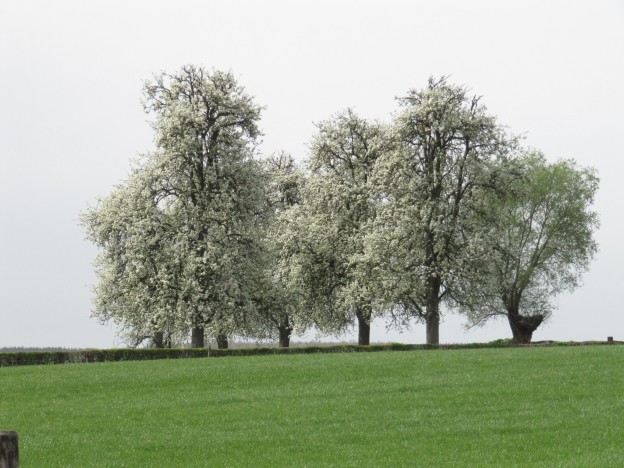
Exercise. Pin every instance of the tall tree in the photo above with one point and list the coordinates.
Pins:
(428, 188)
(207, 185)
(206, 127)
(337, 211)
(541, 238)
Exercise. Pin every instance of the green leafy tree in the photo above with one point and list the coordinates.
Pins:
(428, 188)
(337, 210)
(541, 241)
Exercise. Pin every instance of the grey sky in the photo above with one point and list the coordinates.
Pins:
(71, 74)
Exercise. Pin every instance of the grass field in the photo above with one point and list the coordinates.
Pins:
(560, 406)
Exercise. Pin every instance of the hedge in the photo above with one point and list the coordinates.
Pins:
(96, 355)
(146, 354)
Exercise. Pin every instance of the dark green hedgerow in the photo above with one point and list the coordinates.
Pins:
(147, 354)
(96, 355)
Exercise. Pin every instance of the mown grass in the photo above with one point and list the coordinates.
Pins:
(498, 407)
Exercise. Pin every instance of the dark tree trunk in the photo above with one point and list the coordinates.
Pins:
(159, 339)
(522, 327)
(284, 336)
(197, 337)
(285, 330)
(432, 317)
(363, 318)
(222, 341)
(433, 328)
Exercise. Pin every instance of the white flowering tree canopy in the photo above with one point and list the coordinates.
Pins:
(207, 187)
(281, 304)
(138, 268)
(335, 216)
(428, 187)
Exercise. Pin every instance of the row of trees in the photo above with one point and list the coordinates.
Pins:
(439, 209)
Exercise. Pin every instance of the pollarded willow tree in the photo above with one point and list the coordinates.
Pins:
(207, 185)
(541, 241)
(337, 211)
(429, 186)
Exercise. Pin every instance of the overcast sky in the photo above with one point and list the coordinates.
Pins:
(71, 74)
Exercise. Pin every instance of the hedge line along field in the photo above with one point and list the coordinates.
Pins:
(512, 407)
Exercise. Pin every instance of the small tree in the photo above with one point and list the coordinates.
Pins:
(337, 211)
(137, 267)
(541, 241)
(281, 304)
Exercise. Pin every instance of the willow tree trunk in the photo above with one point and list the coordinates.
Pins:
(197, 337)
(222, 341)
(363, 318)
(523, 326)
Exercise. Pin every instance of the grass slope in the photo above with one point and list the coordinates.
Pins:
(523, 406)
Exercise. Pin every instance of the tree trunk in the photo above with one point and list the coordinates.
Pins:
(222, 341)
(363, 318)
(284, 336)
(432, 317)
(159, 339)
(285, 330)
(197, 337)
(522, 327)
(433, 328)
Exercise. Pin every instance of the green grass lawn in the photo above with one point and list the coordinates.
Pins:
(561, 406)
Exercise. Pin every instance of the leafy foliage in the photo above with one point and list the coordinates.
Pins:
(541, 241)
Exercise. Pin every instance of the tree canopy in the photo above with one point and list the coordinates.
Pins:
(338, 209)
(540, 240)
(282, 303)
(429, 185)
(206, 184)
(440, 208)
